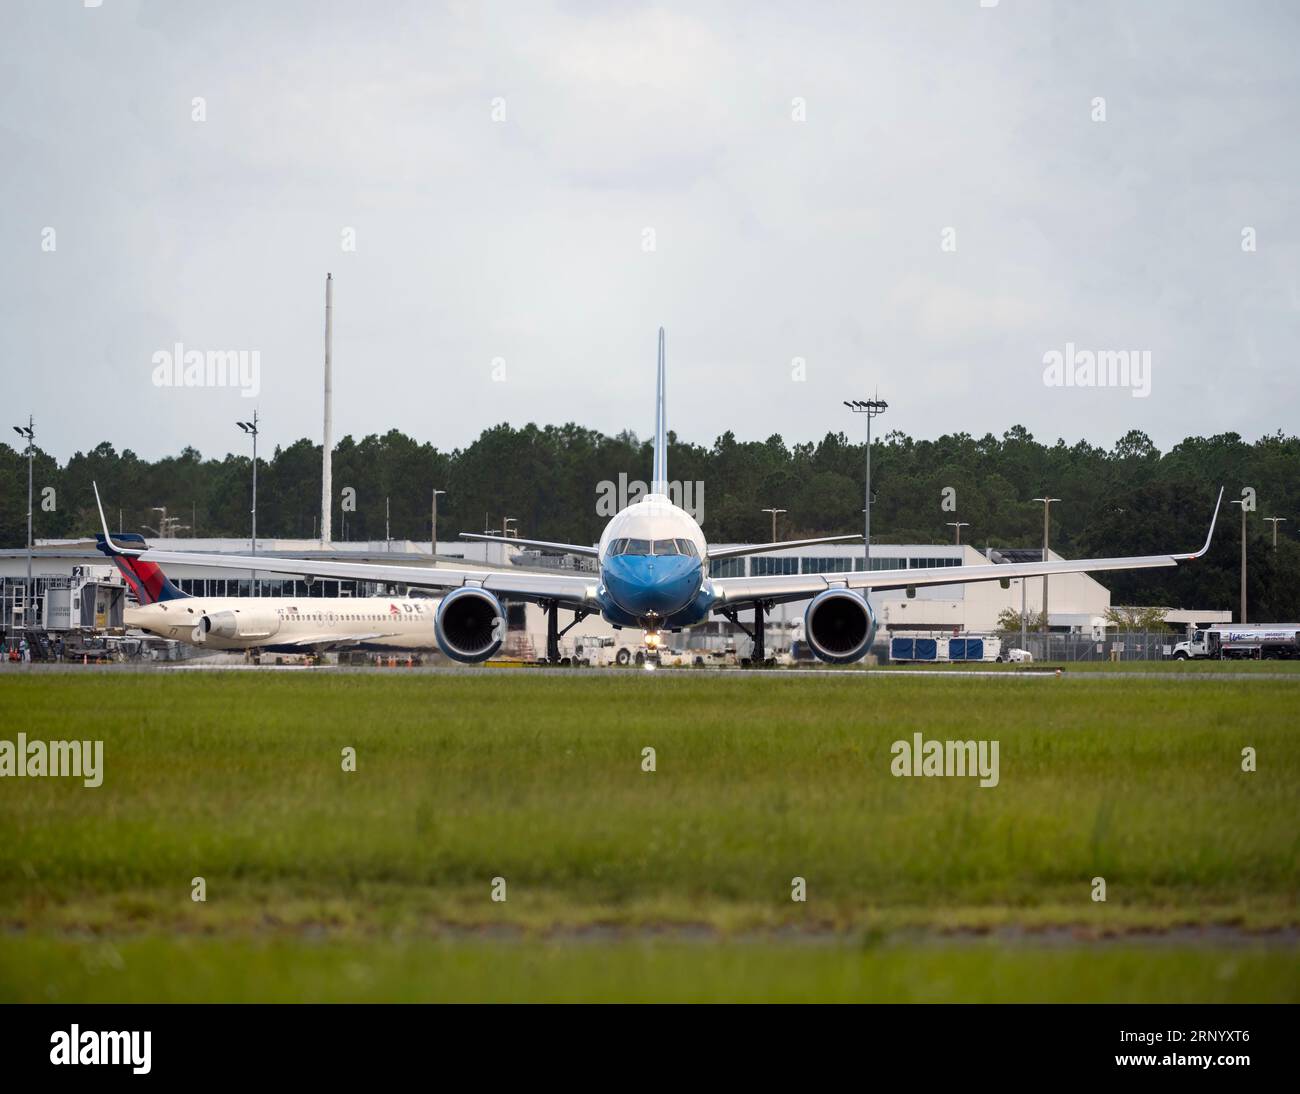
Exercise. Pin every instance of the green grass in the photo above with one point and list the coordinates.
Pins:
(1182, 668)
(236, 777)
(419, 970)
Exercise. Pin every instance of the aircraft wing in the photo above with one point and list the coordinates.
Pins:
(570, 590)
(737, 591)
(760, 548)
(779, 588)
(545, 544)
(332, 641)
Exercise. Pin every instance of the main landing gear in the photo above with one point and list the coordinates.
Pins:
(758, 655)
(553, 632)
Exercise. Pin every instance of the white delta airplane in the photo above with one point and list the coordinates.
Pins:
(266, 623)
(654, 574)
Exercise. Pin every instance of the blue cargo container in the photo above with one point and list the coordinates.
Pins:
(942, 649)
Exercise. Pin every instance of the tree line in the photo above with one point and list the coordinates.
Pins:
(555, 482)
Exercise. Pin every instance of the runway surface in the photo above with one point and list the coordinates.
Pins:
(499, 671)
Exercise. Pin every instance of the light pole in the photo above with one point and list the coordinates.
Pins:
(251, 429)
(505, 526)
(164, 527)
(28, 431)
(1243, 503)
(871, 408)
(1047, 509)
(433, 535)
(1275, 521)
(957, 526)
(774, 512)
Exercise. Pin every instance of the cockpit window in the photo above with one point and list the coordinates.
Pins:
(626, 546)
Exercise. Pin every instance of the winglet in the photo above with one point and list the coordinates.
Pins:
(1209, 535)
(108, 539)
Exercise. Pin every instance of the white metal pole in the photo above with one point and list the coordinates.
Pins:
(254, 498)
(327, 441)
(28, 599)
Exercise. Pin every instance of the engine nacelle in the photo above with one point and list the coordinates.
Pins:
(237, 624)
(839, 626)
(470, 625)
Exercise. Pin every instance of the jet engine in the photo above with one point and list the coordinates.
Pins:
(470, 625)
(839, 626)
(237, 624)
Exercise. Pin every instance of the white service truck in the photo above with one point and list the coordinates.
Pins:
(598, 649)
(1255, 640)
(601, 650)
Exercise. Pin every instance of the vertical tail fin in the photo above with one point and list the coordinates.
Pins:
(145, 579)
(659, 476)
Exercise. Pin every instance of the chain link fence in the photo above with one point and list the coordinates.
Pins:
(1114, 646)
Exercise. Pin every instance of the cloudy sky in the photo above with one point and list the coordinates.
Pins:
(817, 201)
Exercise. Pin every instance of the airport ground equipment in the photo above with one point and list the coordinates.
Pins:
(1252, 640)
(966, 647)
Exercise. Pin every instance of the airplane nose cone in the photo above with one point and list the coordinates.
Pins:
(656, 585)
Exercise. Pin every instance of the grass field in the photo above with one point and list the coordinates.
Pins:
(377, 884)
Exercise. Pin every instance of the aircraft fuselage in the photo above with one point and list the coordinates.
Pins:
(654, 567)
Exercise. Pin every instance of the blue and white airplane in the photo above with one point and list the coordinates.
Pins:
(654, 574)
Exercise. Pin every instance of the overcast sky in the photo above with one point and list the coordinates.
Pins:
(543, 185)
